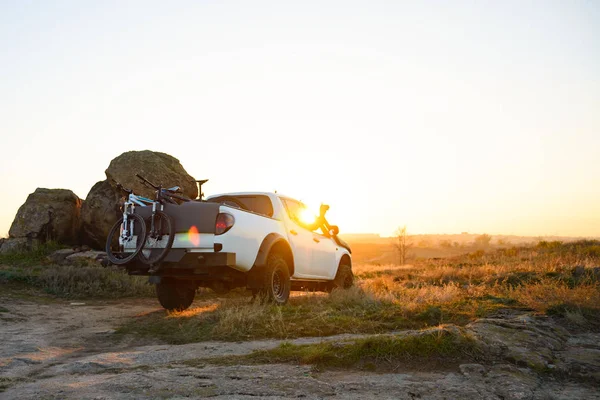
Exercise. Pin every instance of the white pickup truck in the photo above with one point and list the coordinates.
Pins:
(255, 240)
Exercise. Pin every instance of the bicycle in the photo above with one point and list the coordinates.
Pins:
(131, 228)
(160, 227)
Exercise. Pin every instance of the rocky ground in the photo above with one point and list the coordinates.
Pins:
(57, 349)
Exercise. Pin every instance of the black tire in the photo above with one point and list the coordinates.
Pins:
(173, 296)
(276, 280)
(344, 278)
(151, 254)
(114, 250)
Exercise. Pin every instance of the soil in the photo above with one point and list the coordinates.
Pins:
(60, 349)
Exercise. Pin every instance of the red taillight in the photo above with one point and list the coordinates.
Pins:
(224, 223)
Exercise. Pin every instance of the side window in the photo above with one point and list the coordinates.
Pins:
(294, 210)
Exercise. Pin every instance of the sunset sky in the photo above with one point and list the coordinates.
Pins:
(441, 116)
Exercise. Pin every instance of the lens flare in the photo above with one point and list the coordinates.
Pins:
(194, 236)
(307, 216)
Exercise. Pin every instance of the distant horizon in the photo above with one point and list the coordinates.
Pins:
(472, 234)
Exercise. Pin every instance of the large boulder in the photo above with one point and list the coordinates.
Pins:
(99, 213)
(102, 205)
(47, 214)
(158, 168)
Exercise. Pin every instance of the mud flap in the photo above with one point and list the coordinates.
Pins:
(255, 277)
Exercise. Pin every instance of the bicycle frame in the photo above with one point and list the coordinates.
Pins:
(129, 208)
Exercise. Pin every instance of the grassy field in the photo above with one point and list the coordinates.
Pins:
(557, 279)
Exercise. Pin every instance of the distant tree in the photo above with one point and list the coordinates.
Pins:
(483, 241)
(402, 244)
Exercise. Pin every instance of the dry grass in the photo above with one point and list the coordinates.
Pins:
(548, 293)
(389, 298)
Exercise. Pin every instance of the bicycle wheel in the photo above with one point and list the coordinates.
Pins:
(118, 250)
(159, 239)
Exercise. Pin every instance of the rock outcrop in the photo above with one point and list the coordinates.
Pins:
(47, 214)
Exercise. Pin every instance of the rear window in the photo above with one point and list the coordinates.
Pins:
(259, 204)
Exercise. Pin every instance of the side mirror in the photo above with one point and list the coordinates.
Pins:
(334, 230)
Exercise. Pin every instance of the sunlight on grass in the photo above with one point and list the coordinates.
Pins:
(548, 293)
(192, 312)
(388, 298)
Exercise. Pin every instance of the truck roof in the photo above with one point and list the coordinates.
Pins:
(243, 194)
(269, 194)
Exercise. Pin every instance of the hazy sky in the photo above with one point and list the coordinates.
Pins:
(444, 116)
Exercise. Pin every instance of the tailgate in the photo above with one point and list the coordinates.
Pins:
(194, 223)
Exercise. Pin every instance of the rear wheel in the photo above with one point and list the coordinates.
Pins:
(117, 242)
(276, 280)
(159, 238)
(173, 296)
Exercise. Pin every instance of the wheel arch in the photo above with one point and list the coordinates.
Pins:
(273, 242)
(345, 260)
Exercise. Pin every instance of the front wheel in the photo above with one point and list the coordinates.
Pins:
(276, 280)
(344, 278)
(121, 234)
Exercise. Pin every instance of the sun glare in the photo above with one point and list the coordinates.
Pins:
(307, 216)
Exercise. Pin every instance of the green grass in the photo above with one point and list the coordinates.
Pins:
(78, 282)
(37, 255)
(32, 268)
(386, 352)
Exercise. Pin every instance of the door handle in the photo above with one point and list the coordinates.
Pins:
(316, 240)
(293, 232)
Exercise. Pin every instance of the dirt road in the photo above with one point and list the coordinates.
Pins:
(57, 349)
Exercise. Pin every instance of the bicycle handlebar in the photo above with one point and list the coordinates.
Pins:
(164, 192)
(175, 196)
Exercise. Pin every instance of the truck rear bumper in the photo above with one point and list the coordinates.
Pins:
(182, 262)
(209, 259)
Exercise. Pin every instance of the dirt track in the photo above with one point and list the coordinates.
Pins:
(55, 349)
